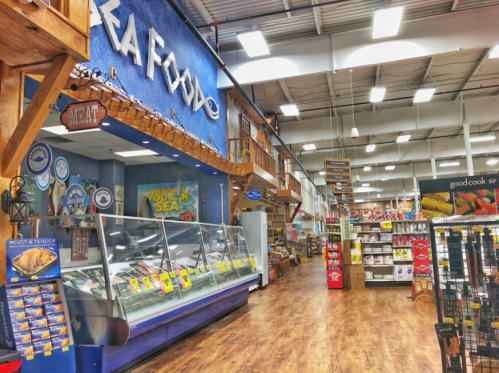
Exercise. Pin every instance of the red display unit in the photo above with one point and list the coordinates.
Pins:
(334, 265)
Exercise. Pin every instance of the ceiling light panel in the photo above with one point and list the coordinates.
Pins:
(322, 173)
(367, 168)
(390, 168)
(482, 138)
(370, 148)
(62, 130)
(377, 94)
(403, 138)
(387, 21)
(290, 110)
(449, 164)
(308, 146)
(254, 43)
(424, 95)
(136, 153)
(495, 52)
(492, 162)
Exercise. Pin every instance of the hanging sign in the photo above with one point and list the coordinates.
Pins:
(39, 158)
(103, 198)
(43, 180)
(254, 195)
(83, 115)
(61, 169)
(76, 200)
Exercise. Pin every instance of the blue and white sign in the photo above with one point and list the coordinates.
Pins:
(61, 169)
(254, 195)
(39, 158)
(103, 198)
(76, 200)
(43, 180)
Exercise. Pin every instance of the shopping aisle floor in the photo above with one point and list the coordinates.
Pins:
(298, 325)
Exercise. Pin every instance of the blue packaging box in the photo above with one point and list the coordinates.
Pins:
(25, 349)
(40, 334)
(58, 330)
(51, 297)
(48, 287)
(53, 308)
(20, 326)
(14, 291)
(14, 303)
(56, 318)
(42, 346)
(22, 337)
(33, 300)
(60, 342)
(38, 323)
(34, 312)
(17, 315)
(31, 289)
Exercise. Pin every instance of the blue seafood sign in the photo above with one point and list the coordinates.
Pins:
(76, 200)
(254, 195)
(61, 169)
(103, 198)
(39, 158)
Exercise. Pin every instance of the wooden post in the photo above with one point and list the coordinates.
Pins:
(287, 213)
(11, 108)
(294, 213)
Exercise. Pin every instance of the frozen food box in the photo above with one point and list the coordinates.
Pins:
(20, 326)
(59, 342)
(22, 337)
(33, 300)
(38, 323)
(40, 334)
(56, 318)
(31, 289)
(15, 291)
(15, 303)
(34, 312)
(53, 308)
(25, 349)
(48, 287)
(42, 346)
(58, 330)
(17, 315)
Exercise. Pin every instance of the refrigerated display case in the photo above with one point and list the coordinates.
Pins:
(145, 283)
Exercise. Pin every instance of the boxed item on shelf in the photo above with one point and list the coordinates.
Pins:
(388, 259)
(352, 252)
(396, 254)
(385, 236)
(378, 260)
(408, 272)
(368, 275)
(399, 272)
(354, 276)
(369, 259)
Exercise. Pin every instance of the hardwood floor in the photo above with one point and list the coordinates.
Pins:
(298, 325)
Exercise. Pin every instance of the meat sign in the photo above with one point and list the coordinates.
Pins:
(83, 115)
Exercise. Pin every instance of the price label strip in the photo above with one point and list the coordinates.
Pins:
(221, 267)
(155, 281)
(135, 285)
(186, 280)
(196, 271)
(240, 263)
(165, 283)
(173, 275)
(147, 283)
(252, 262)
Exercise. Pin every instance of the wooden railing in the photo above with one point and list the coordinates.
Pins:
(247, 150)
(290, 183)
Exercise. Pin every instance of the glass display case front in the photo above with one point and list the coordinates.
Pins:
(147, 266)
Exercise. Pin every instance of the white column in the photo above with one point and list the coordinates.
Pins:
(433, 168)
(405, 200)
(397, 200)
(416, 193)
(467, 146)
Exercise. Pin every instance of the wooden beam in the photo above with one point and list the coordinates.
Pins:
(318, 18)
(35, 114)
(295, 212)
(286, 6)
(241, 192)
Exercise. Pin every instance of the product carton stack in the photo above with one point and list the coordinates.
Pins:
(353, 267)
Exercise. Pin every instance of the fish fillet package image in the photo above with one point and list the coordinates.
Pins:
(30, 259)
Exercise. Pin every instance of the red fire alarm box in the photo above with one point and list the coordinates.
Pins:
(334, 265)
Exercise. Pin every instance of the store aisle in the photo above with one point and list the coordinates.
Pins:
(298, 325)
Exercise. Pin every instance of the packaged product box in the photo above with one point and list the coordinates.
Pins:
(396, 254)
(33, 312)
(48, 287)
(38, 323)
(408, 272)
(14, 291)
(53, 308)
(59, 342)
(33, 300)
(353, 276)
(15, 303)
(31, 289)
(58, 330)
(399, 272)
(22, 337)
(17, 315)
(20, 326)
(56, 318)
(405, 254)
(40, 334)
(25, 349)
(42, 346)
(352, 252)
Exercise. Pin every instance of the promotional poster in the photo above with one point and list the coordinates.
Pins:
(172, 201)
(30, 259)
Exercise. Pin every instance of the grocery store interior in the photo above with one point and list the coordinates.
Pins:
(270, 185)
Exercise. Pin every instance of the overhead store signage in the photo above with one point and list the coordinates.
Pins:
(254, 195)
(39, 158)
(338, 162)
(335, 170)
(337, 177)
(83, 115)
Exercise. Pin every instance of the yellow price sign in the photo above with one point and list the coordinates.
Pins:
(252, 262)
(201, 268)
(216, 265)
(146, 280)
(442, 230)
(186, 280)
(221, 267)
(386, 225)
(446, 263)
(468, 322)
(234, 263)
(30, 357)
(475, 306)
(190, 271)
(208, 267)
(173, 275)
(240, 263)
(278, 229)
(449, 320)
(480, 229)
(165, 283)
(494, 324)
(14, 279)
(134, 282)
(148, 286)
(34, 277)
(47, 353)
(64, 349)
(196, 271)
(460, 229)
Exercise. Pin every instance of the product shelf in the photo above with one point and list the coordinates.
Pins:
(379, 265)
(380, 280)
(333, 225)
(410, 233)
(378, 242)
(402, 246)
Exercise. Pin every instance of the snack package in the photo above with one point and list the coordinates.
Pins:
(56, 318)
(59, 342)
(17, 315)
(58, 330)
(15, 291)
(33, 300)
(20, 326)
(42, 346)
(47, 287)
(40, 334)
(38, 323)
(53, 308)
(31, 289)
(25, 349)
(22, 337)
(34, 312)
(15, 303)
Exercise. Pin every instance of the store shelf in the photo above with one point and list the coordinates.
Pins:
(411, 233)
(333, 225)
(402, 246)
(390, 242)
(380, 280)
(403, 260)
(390, 253)
(372, 232)
(379, 265)
(338, 233)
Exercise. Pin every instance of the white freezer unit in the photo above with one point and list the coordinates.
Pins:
(255, 229)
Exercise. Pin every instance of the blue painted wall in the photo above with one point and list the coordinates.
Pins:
(209, 186)
(112, 173)
(188, 53)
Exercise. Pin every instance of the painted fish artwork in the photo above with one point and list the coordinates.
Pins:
(38, 159)
(188, 216)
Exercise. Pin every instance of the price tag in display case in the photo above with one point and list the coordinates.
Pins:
(208, 267)
(252, 262)
(165, 283)
(240, 262)
(184, 276)
(201, 268)
(135, 285)
(221, 267)
(173, 275)
(190, 271)
(147, 283)
(196, 271)
(155, 280)
(386, 225)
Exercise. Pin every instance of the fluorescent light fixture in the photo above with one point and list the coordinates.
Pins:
(147, 238)
(254, 43)
(424, 95)
(172, 247)
(175, 155)
(308, 146)
(449, 164)
(365, 185)
(385, 179)
(160, 251)
(198, 165)
(482, 138)
(370, 148)
(492, 162)
(367, 168)
(403, 138)
(136, 153)
(377, 94)
(62, 130)
(290, 110)
(387, 21)
(114, 233)
(357, 178)
(495, 52)
(355, 133)
(322, 173)
(215, 173)
(106, 124)
(145, 142)
(235, 187)
(220, 231)
(390, 168)
(119, 247)
(359, 200)
(378, 195)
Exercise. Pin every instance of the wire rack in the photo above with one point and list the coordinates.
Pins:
(467, 283)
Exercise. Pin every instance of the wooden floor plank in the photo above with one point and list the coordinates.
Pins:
(298, 325)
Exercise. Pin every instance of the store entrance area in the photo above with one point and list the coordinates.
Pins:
(298, 325)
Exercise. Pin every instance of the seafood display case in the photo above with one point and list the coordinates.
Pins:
(142, 275)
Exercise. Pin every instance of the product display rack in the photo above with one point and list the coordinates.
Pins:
(465, 268)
